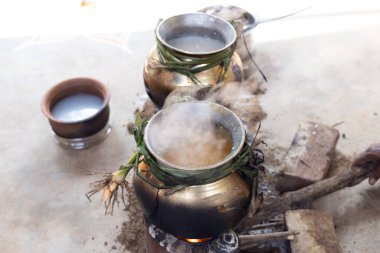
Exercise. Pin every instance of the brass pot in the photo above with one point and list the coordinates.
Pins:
(202, 210)
(246, 19)
(159, 81)
(198, 211)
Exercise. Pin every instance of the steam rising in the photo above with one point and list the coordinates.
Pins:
(186, 135)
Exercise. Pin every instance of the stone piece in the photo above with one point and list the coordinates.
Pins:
(309, 156)
(316, 232)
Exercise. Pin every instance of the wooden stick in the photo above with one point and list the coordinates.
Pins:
(276, 220)
(267, 225)
(291, 200)
(249, 241)
(244, 239)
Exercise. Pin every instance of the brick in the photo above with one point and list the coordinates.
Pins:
(316, 232)
(309, 156)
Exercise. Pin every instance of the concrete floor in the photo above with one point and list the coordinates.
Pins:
(327, 78)
(333, 78)
(43, 207)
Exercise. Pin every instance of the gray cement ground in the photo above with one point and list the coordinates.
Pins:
(326, 78)
(43, 206)
(330, 79)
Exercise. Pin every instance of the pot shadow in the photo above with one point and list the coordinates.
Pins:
(106, 156)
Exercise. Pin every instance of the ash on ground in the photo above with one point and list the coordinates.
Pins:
(132, 234)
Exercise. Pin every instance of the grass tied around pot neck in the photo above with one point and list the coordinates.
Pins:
(191, 64)
(247, 162)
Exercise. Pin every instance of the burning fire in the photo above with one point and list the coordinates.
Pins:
(190, 240)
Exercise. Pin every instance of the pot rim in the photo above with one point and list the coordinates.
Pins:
(53, 92)
(223, 162)
(163, 41)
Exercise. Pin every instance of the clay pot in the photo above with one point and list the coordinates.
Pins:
(69, 133)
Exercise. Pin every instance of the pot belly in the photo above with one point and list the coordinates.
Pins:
(159, 82)
(200, 211)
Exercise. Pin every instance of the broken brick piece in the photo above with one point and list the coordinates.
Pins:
(309, 156)
(316, 232)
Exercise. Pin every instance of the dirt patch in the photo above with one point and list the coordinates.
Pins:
(132, 234)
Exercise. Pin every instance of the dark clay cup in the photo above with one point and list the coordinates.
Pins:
(82, 128)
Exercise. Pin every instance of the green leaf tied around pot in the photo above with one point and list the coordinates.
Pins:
(247, 161)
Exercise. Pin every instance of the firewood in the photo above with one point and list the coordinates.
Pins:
(292, 200)
(248, 241)
(267, 225)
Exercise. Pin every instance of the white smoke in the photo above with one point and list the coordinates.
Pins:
(186, 135)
